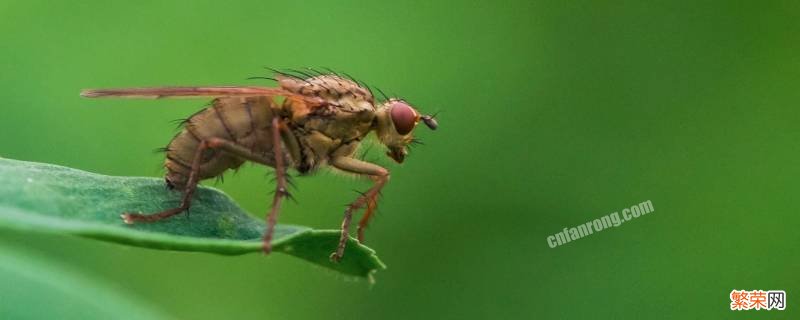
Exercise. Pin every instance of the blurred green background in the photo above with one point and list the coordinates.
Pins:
(554, 113)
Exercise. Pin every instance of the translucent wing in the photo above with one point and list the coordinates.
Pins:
(195, 92)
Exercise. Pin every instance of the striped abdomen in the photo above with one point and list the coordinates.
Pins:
(244, 120)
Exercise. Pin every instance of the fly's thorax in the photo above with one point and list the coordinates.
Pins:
(341, 125)
(348, 113)
(347, 108)
(340, 118)
(327, 86)
(322, 137)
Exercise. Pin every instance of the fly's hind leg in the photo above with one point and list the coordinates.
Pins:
(191, 185)
(368, 199)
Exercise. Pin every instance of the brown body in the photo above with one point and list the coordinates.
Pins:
(244, 120)
(307, 123)
(345, 120)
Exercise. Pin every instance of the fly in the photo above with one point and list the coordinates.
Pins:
(305, 123)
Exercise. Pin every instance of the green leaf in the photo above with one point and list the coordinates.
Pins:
(44, 197)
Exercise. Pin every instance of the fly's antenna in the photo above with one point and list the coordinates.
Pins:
(430, 120)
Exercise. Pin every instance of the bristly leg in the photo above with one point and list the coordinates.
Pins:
(372, 207)
(280, 190)
(191, 186)
(365, 200)
(368, 199)
(368, 214)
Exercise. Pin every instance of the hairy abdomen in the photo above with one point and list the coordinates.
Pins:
(245, 121)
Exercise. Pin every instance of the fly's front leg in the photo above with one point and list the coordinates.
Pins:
(372, 205)
(379, 175)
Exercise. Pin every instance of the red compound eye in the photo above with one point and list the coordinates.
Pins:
(404, 117)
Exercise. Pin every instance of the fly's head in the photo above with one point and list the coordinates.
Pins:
(395, 120)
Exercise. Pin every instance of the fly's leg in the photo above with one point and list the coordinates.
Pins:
(191, 185)
(379, 174)
(280, 190)
(372, 204)
(280, 173)
(292, 145)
